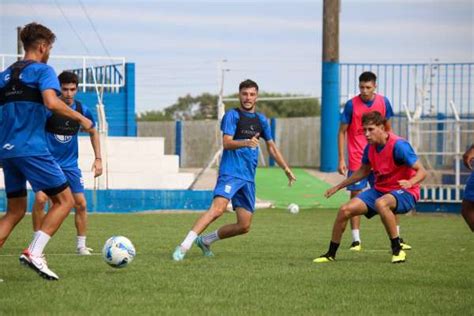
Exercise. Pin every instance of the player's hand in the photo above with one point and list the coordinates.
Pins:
(291, 177)
(405, 184)
(253, 142)
(86, 124)
(97, 167)
(331, 191)
(342, 169)
(468, 157)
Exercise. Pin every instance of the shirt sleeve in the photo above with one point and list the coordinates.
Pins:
(388, 109)
(365, 157)
(266, 130)
(403, 153)
(89, 115)
(229, 122)
(346, 115)
(47, 79)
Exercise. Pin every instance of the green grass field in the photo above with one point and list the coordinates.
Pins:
(267, 272)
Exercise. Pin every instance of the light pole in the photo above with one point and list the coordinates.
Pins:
(220, 104)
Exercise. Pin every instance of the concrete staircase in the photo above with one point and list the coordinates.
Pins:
(133, 163)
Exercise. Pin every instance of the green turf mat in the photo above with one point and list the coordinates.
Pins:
(307, 192)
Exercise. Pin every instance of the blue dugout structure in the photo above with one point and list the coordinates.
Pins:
(119, 103)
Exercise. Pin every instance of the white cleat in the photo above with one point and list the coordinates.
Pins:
(84, 251)
(39, 265)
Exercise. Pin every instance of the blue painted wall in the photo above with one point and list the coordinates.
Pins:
(119, 107)
(130, 201)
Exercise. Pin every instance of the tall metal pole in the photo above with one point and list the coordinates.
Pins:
(19, 45)
(220, 102)
(330, 86)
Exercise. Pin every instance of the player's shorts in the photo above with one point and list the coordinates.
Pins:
(469, 189)
(75, 180)
(362, 184)
(42, 172)
(405, 201)
(240, 192)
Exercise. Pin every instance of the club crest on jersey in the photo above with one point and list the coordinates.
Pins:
(63, 138)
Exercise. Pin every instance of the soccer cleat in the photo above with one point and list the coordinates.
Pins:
(324, 259)
(206, 250)
(356, 246)
(404, 245)
(400, 258)
(38, 264)
(84, 251)
(178, 254)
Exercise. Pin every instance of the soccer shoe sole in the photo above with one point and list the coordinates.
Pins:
(401, 258)
(324, 260)
(27, 263)
(405, 246)
(177, 255)
(206, 251)
(356, 248)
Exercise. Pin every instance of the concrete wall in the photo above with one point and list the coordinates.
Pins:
(297, 138)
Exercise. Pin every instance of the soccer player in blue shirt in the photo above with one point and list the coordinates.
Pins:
(241, 128)
(468, 199)
(29, 88)
(62, 139)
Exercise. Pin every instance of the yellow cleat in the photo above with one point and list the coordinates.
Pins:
(404, 245)
(400, 258)
(356, 246)
(324, 259)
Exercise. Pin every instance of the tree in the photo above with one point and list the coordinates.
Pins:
(204, 107)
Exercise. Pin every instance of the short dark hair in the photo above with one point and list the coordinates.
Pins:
(31, 34)
(373, 117)
(248, 84)
(367, 76)
(68, 77)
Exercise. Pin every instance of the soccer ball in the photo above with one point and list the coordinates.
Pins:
(118, 251)
(293, 208)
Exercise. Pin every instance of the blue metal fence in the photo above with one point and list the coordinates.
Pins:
(431, 86)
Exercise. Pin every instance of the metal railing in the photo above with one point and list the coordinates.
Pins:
(109, 77)
(440, 143)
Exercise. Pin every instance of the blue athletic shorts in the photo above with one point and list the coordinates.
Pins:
(362, 184)
(42, 172)
(469, 189)
(405, 201)
(75, 180)
(240, 192)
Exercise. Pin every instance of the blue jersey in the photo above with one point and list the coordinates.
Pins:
(22, 123)
(403, 153)
(346, 115)
(242, 162)
(65, 148)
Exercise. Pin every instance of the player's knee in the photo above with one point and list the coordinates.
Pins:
(381, 205)
(244, 228)
(80, 206)
(215, 212)
(345, 211)
(15, 217)
(41, 200)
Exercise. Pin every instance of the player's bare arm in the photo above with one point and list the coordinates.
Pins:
(358, 175)
(419, 176)
(230, 144)
(276, 154)
(95, 142)
(341, 143)
(55, 104)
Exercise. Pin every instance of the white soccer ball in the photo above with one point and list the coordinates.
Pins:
(293, 208)
(118, 251)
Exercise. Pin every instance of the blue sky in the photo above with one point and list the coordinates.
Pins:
(177, 45)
